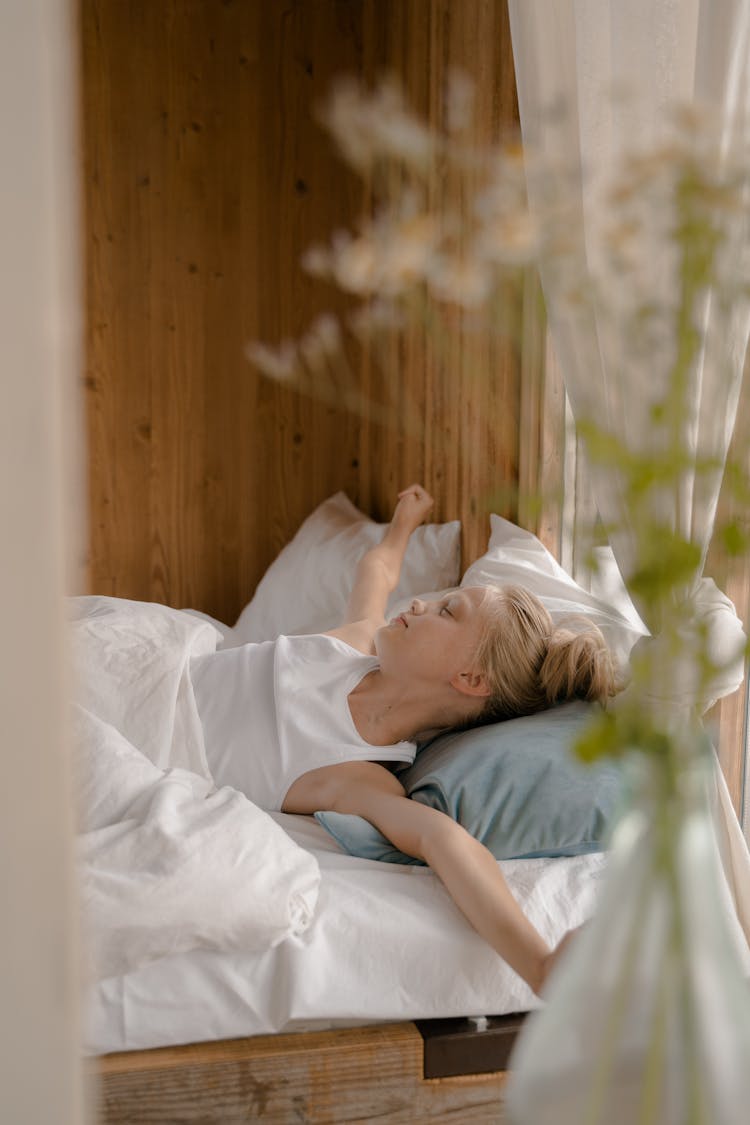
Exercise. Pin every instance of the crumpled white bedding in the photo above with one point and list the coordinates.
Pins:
(387, 943)
(201, 912)
(168, 864)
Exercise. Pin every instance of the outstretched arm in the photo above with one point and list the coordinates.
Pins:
(468, 870)
(379, 568)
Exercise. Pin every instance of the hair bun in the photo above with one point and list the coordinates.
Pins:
(578, 665)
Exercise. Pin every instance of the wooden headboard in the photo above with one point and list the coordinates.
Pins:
(206, 177)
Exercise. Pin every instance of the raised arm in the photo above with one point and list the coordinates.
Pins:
(379, 568)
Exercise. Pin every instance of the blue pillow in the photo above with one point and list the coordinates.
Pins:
(514, 785)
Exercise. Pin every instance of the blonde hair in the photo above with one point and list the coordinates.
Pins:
(530, 664)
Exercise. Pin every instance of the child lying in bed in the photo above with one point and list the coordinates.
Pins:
(308, 723)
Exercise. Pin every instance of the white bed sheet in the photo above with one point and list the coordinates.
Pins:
(387, 943)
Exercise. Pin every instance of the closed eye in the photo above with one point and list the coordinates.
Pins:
(445, 609)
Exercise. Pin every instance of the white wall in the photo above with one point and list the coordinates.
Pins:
(39, 359)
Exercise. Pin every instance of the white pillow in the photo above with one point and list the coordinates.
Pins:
(515, 556)
(306, 588)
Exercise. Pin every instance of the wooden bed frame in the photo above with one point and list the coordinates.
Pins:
(429, 1071)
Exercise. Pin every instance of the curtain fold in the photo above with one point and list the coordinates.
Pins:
(598, 86)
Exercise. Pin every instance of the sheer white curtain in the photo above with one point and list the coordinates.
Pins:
(597, 80)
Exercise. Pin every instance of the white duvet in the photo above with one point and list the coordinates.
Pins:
(168, 863)
(386, 943)
(208, 918)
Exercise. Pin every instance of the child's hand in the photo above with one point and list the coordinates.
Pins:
(413, 505)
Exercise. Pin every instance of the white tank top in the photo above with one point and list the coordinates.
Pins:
(272, 711)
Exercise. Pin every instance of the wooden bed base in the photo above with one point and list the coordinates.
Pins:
(375, 1073)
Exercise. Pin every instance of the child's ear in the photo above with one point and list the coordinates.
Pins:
(471, 683)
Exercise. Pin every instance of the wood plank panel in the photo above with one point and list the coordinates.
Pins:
(117, 266)
(206, 176)
(204, 185)
(363, 1074)
(464, 379)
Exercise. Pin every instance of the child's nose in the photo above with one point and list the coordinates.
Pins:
(417, 606)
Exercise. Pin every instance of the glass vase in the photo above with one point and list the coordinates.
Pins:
(647, 1018)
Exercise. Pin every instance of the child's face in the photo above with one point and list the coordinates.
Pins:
(435, 640)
